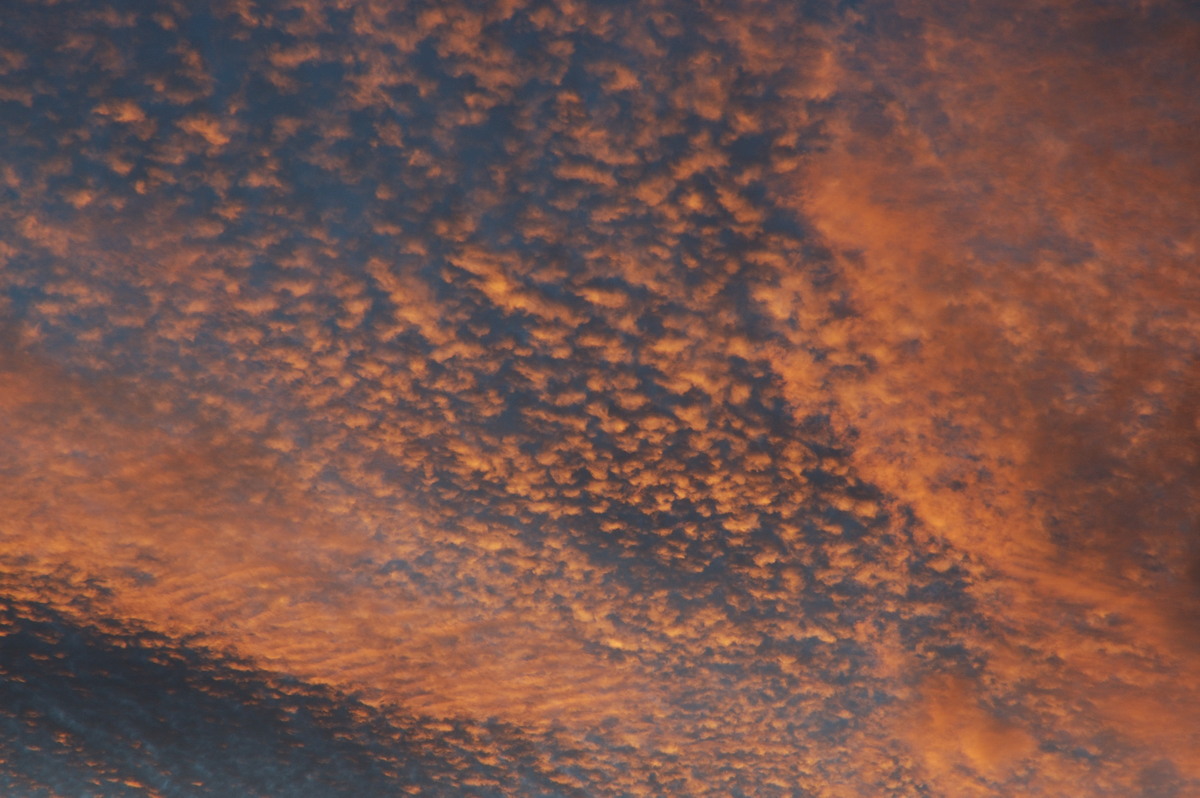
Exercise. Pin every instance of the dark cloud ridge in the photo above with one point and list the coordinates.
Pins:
(127, 712)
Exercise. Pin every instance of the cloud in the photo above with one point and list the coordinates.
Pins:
(1020, 367)
(130, 712)
(949, 730)
(723, 392)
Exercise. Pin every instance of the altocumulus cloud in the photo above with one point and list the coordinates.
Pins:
(732, 398)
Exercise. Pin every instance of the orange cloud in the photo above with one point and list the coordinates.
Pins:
(1017, 356)
(948, 729)
(702, 419)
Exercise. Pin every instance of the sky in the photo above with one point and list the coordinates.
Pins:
(581, 398)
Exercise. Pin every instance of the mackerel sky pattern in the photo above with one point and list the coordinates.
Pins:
(581, 398)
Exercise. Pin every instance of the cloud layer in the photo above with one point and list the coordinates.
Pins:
(720, 398)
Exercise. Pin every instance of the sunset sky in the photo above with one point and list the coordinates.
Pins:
(600, 398)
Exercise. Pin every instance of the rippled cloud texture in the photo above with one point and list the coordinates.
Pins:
(599, 398)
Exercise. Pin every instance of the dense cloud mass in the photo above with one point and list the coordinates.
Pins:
(598, 398)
